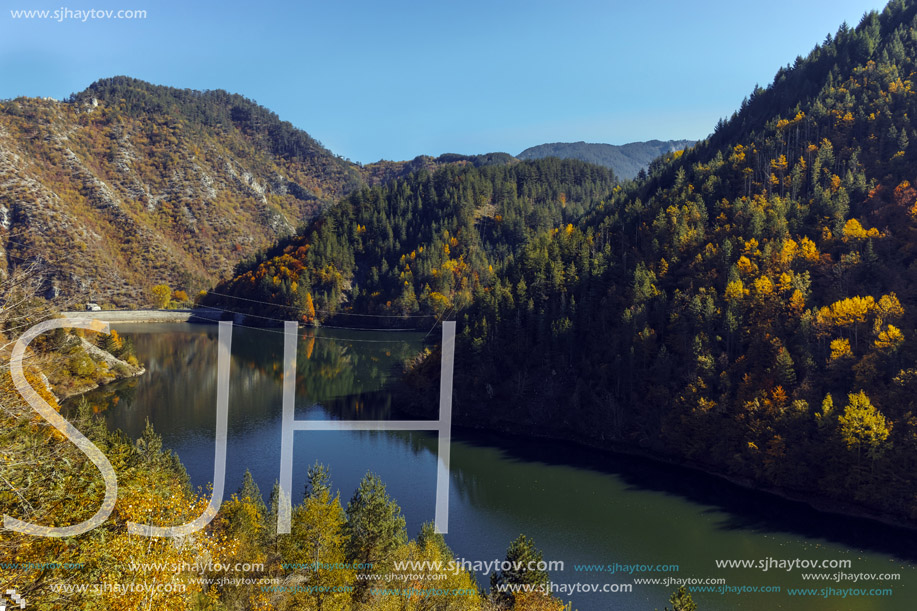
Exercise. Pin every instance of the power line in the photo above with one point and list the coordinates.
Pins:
(452, 307)
(298, 309)
(313, 327)
(268, 303)
(332, 339)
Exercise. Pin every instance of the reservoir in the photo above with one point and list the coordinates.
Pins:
(582, 507)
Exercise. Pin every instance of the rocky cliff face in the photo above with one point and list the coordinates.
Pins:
(129, 185)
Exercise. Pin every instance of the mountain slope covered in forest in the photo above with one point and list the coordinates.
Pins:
(749, 307)
(416, 247)
(127, 185)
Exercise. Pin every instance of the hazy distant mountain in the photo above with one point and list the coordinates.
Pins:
(626, 160)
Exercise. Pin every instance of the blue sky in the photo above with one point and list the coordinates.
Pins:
(394, 79)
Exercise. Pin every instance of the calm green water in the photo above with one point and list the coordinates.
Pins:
(580, 506)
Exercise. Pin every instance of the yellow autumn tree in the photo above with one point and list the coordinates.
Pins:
(428, 551)
(162, 296)
(853, 230)
(840, 350)
(863, 427)
(808, 250)
(316, 538)
(889, 339)
(888, 308)
(850, 313)
(308, 309)
(735, 291)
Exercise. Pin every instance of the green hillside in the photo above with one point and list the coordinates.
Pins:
(423, 245)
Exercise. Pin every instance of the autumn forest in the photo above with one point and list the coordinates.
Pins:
(746, 306)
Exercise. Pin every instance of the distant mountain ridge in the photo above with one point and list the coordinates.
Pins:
(383, 171)
(626, 159)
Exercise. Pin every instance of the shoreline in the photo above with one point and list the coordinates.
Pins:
(75, 393)
(100, 355)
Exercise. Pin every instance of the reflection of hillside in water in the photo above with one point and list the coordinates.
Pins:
(180, 363)
(348, 373)
(339, 375)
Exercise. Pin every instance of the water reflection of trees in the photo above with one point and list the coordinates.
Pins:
(181, 370)
(348, 373)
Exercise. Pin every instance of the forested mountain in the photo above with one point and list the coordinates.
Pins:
(416, 246)
(127, 185)
(750, 307)
(625, 160)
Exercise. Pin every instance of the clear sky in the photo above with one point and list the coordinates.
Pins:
(394, 79)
